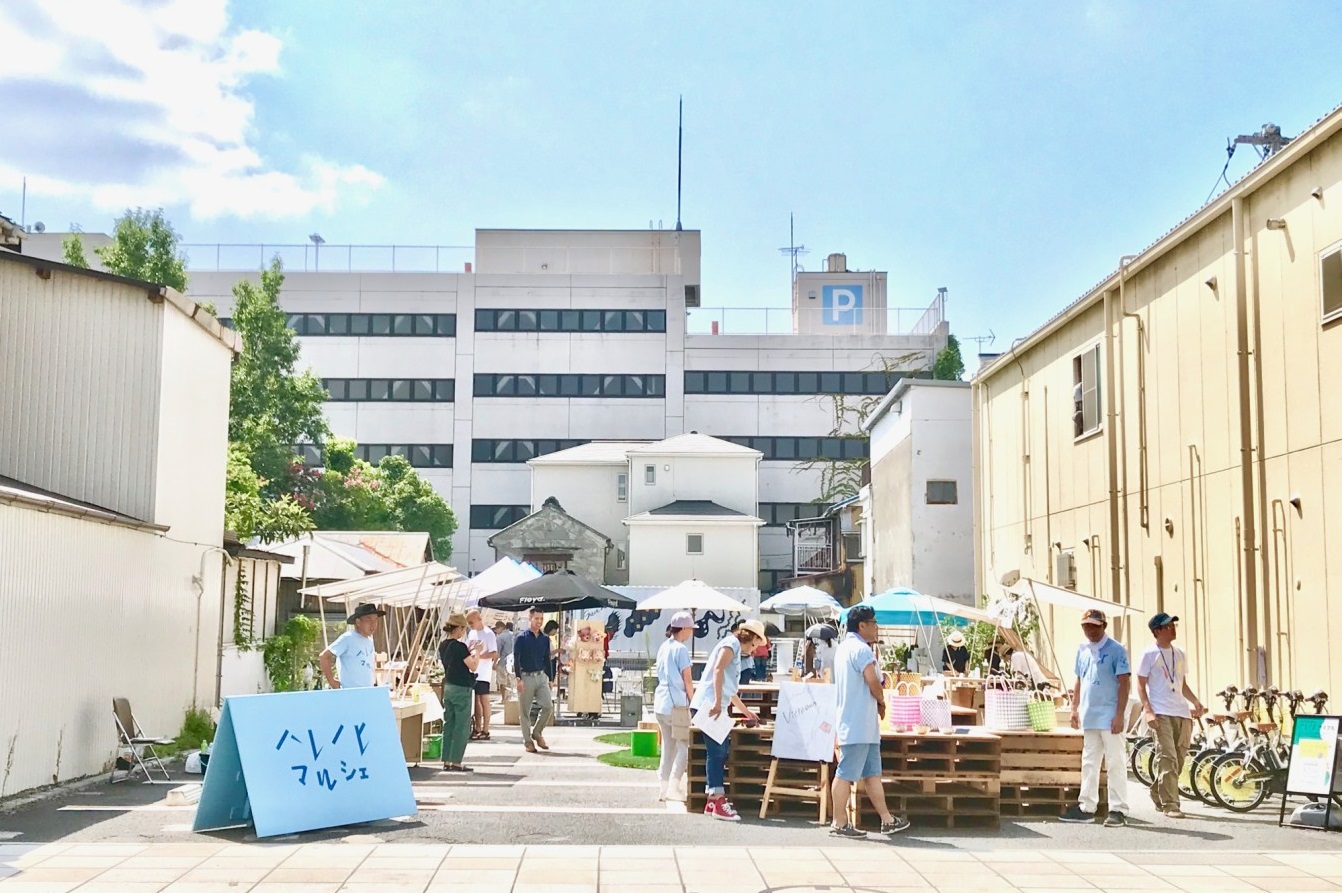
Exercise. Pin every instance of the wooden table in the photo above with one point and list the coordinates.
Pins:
(410, 720)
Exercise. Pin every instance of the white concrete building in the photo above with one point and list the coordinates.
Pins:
(918, 518)
(540, 341)
(113, 443)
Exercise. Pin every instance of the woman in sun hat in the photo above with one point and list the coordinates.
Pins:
(717, 689)
(459, 665)
(956, 658)
(671, 705)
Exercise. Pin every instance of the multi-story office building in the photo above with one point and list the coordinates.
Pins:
(539, 341)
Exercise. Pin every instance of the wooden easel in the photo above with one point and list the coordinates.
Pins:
(774, 791)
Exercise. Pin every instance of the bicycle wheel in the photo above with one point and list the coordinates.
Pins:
(1186, 777)
(1143, 761)
(1235, 785)
(1200, 775)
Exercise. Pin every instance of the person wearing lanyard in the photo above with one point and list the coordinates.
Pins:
(1099, 710)
(1162, 685)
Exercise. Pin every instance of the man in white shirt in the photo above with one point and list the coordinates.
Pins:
(485, 645)
(1162, 685)
(353, 651)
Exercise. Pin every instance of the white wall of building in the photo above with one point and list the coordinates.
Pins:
(924, 435)
(658, 553)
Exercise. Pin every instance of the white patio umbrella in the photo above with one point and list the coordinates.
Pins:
(693, 595)
(803, 600)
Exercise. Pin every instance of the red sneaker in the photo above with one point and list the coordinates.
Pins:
(721, 808)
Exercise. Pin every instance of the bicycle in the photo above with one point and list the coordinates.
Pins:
(1243, 781)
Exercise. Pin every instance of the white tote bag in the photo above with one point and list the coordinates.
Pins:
(1007, 710)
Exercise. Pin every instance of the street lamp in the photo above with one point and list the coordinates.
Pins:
(317, 243)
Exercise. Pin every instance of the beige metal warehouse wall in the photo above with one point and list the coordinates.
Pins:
(1178, 492)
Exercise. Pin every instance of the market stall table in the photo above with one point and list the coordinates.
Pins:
(410, 720)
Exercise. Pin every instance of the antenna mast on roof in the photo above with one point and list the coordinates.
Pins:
(680, 158)
(1267, 141)
(793, 248)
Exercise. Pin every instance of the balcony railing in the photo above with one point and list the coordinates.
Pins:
(330, 258)
(911, 321)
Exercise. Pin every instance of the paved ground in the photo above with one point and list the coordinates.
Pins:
(564, 817)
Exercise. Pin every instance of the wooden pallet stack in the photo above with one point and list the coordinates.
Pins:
(1041, 772)
(940, 780)
(747, 772)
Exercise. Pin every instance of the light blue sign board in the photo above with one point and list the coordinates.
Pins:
(298, 761)
(841, 305)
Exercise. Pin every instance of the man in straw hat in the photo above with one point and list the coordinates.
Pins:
(956, 658)
(353, 651)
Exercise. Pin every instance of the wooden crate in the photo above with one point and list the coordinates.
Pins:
(1041, 758)
(1023, 801)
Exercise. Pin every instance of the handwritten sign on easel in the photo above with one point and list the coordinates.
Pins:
(804, 721)
(299, 761)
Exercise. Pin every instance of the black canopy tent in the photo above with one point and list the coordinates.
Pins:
(558, 591)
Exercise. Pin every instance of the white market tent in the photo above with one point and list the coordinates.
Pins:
(802, 601)
(692, 595)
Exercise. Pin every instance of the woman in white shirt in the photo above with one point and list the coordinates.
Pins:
(671, 705)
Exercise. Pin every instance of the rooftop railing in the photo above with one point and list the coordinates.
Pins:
(324, 258)
(910, 321)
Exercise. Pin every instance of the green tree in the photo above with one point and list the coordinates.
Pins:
(414, 505)
(73, 250)
(272, 407)
(144, 246)
(949, 366)
(248, 514)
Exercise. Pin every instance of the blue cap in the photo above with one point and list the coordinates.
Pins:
(1161, 619)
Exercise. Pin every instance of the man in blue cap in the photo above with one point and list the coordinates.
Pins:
(1162, 685)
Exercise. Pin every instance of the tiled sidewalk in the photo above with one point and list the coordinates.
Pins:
(209, 867)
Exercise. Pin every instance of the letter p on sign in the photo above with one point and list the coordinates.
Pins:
(841, 305)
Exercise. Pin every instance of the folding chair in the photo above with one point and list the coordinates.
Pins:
(132, 738)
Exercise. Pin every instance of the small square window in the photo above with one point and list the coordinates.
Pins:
(656, 385)
(549, 320)
(505, 320)
(633, 320)
(425, 324)
(808, 383)
(527, 321)
(853, 383)
(295, 321)
(613, 385)
(358, 389)
(591, 320)
(336, 388)
(442, 455)
(381, 324)
(482, 451)
(570, 386)
(622, 487)
(761, 383)
(831, 383)
(547, 385)
(590, 386)
(785, 382)
(505, 385)
(942, 493)
(656, 321)
(337, 324)
(423, 390)
(526, 385)
(376, 453)
(484, 321)
(524, 450)
(400, 389)
(739, 383)
(621, 560)
(694, 544)
(650, 475)
(379, 389)
(447, 324)
(316, 324)
(360, 324)
(717, 383)
(613, 321)
(445, 390)
(569, 320)
(694, 382)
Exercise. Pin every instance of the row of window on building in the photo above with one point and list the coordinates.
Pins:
(484, 450)
(444, 325)
(572, 321)
(443, 390)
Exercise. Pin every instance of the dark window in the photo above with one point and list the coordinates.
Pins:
(360, 324)
(484, 320)
(548, 321)
(527, 320)
(570, 321)
(634, 320)
(526, 385)
(762, 383)
(591, 320)
(447, 325)
(853, 383)
(612, 385)
(808, 447)
(403, 324)
(337, 324)
(656, 386)
(942, 493)
(425, 324)
(570, 386)
(590, 386)
(831, 383)
(517, 450)
(381, 324)
(695, 382)
(656, 321)
(831, 448)
(717, 382)
(552, 385)
(497, 517)
(441, 390)
(785, 448)
(547, 385)
(808, 383)
(316, 324)
(785, 382)
(800, 449)
(420, 455)
(738, 382)
(373, 453)
(505, 320)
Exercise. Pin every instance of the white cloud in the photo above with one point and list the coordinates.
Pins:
(142, 102)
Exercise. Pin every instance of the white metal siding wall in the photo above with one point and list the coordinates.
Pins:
(91, 612)
(79, 387)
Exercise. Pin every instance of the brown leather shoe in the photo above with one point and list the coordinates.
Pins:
(531, 748)
(540, 742)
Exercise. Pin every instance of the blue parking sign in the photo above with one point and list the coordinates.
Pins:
(841, 305)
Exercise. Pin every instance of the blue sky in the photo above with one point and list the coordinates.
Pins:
(1009, 152)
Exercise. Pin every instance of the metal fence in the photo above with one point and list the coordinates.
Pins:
(312, 258)
(911, 321)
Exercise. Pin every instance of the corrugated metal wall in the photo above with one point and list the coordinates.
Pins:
(79, 387)
(89, 612)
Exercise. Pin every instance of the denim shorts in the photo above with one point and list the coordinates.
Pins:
(859, 761)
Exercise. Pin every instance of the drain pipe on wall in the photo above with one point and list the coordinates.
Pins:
(199, 581)
(1122, 390)
(1111, 442)
(1250, 541)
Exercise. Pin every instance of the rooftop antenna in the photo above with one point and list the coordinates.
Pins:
(1267, 142)
(680, 158)
(793, 248)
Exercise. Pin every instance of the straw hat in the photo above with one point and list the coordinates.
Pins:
(454, 620)
(956, 639)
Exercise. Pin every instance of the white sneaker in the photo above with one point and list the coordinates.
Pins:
(661, 793)
(677, 790)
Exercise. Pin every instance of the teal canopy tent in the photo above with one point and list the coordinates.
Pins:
(905, 607)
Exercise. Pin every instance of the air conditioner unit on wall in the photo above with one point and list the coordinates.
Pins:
(1065, 572)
